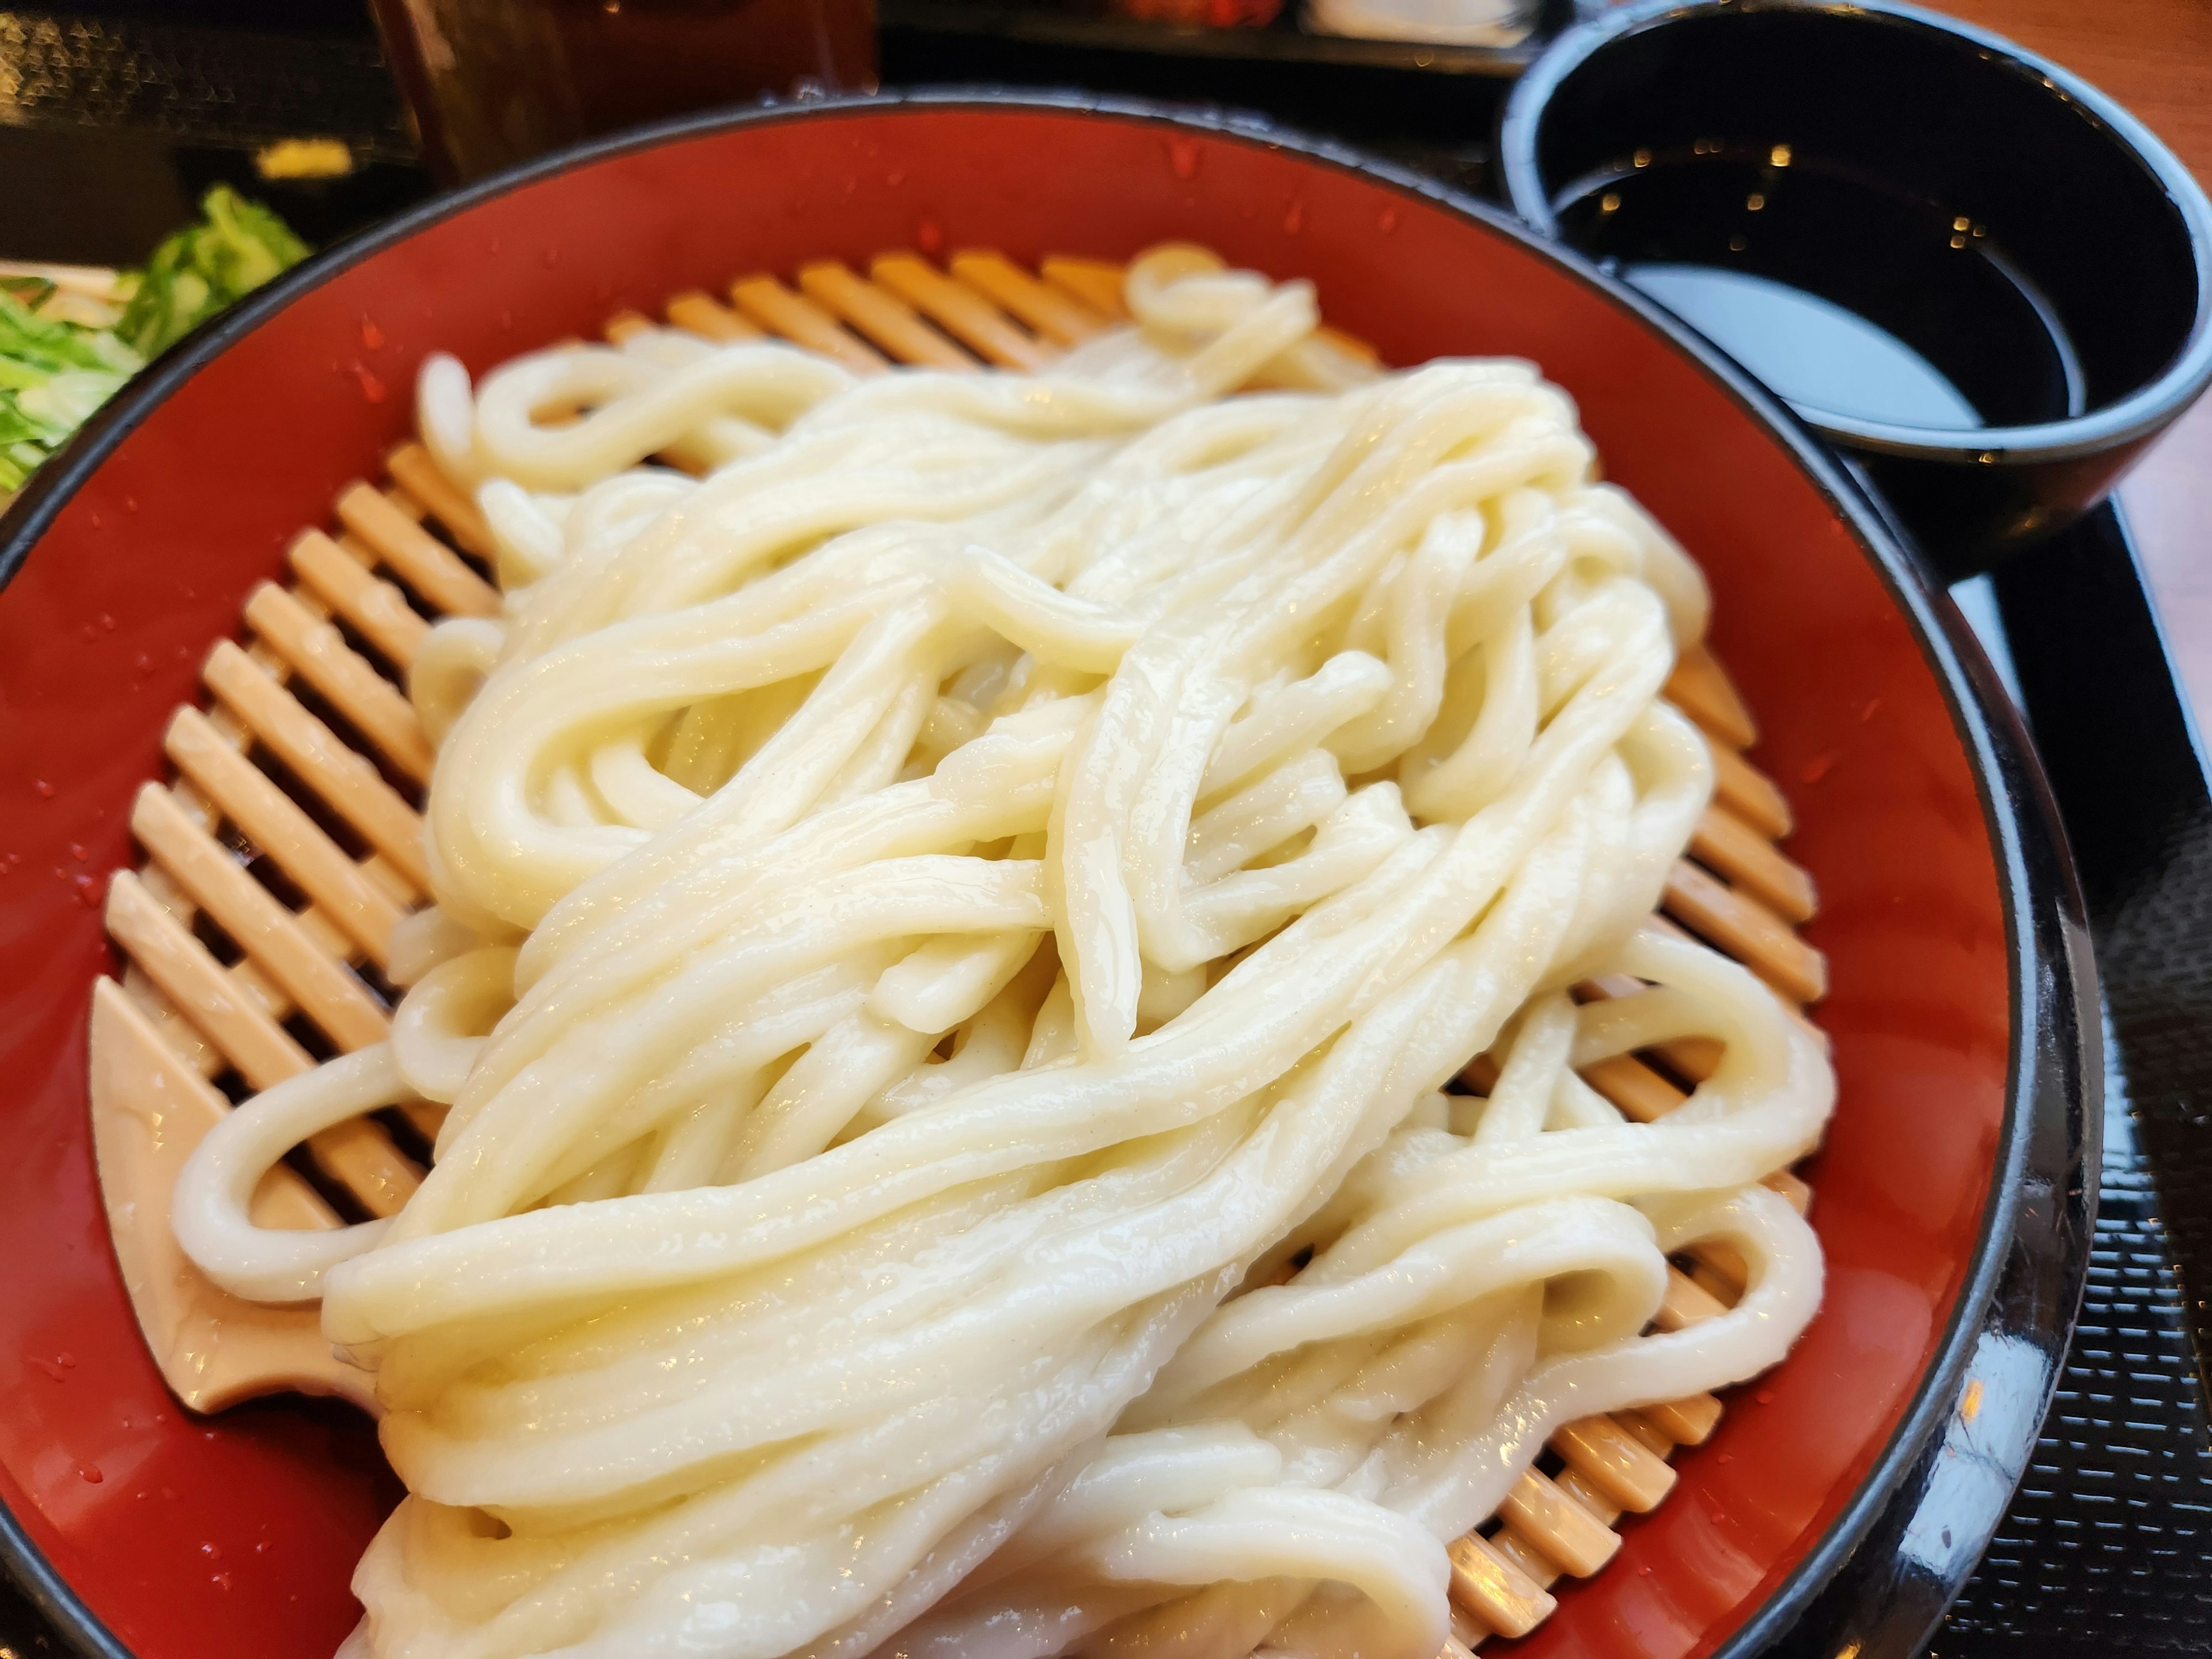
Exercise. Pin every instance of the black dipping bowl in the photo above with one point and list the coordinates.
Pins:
(1974, 273)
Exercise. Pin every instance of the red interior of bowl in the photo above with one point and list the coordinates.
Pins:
(233, 1538)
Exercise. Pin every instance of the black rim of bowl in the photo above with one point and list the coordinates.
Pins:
(2143, 411)
(2050, 1130)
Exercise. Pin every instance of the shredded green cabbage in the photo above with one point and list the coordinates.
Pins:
(54, 375)
(205, 268)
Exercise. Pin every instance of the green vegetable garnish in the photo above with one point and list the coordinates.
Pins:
(206, 267)
(54, 373)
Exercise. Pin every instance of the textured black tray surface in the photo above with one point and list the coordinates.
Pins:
(2104, 1549)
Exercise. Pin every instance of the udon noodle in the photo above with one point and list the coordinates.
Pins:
(956, 910)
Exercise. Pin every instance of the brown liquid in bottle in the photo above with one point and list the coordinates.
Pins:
(495, 82)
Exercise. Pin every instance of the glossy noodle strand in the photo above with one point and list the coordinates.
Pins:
(957, 901)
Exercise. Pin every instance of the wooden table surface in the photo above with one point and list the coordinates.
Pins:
(2155, 56)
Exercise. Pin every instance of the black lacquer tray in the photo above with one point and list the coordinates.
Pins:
(2104, 1547)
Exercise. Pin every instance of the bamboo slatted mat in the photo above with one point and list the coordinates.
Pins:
(289, 842)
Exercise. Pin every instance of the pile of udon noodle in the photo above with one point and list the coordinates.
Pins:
(955, 912)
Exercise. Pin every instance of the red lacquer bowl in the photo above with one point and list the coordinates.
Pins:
(1954, 968)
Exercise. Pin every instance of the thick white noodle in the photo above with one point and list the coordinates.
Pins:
(951, 930)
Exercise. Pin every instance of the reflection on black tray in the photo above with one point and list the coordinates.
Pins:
(2103, 1549)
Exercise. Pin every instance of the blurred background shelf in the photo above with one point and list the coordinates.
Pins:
(950, 25)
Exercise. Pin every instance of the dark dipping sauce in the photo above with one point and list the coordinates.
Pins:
(1766, 253)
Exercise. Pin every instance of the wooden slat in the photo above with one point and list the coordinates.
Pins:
(1794, 1189)
(276, 824)
(1574, 1539)
(1727, 1267)
(1511, 1545)
(962, 313)
(1586, 1497)
(1692, 1057)
(1615, 1463)
(1701, 689)
(1748, 930)
(265, 930)
(1686, 1303)
(195, 982)
(881, 316)
(704, 315)
(375, 607)
(1750, 793)
(359, 1154)
(301, 956)
(1055, 314)
(1687, 1422)
(316, 652)
(1094, 282)
(1350, 345)
(1497, 1592)
(415, 555)
(413, 470)
(183, 1037)
(1712, 1282)
(346, 782)
(1753, 865)
(1641, 1093)
(798, 320)
(1470, 1632)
